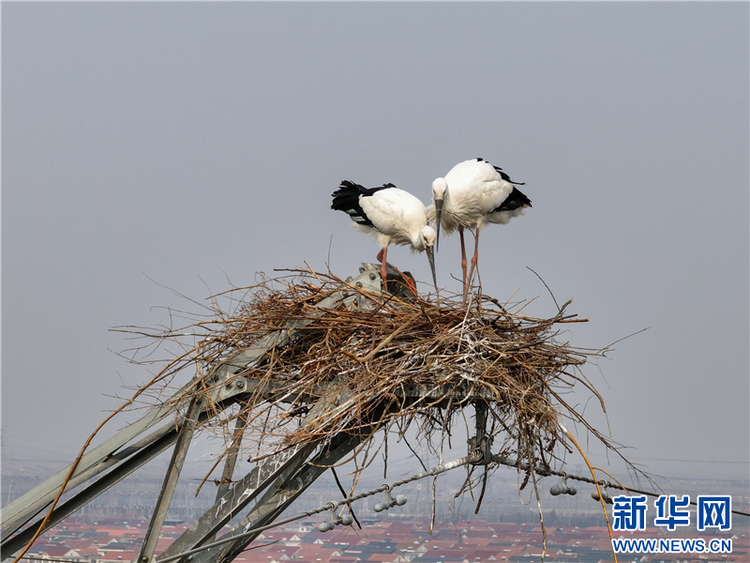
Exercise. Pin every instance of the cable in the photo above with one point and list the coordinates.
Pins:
(473, 457)
(544, 471)
(437, 470)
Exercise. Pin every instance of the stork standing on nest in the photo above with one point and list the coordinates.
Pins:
(471, 195)
(392, 215)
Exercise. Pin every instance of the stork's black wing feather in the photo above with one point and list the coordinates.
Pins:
(346, 199)
(515, 200)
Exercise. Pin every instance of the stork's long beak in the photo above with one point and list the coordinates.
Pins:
(431, 258)
(438, 217)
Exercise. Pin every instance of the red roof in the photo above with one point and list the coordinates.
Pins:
(61, 552)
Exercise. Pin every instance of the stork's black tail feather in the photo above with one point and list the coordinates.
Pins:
(515, 200)
(346, 199)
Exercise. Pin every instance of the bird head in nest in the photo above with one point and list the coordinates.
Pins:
(426, 242)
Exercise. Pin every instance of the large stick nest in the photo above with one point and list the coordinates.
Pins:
(406, 361)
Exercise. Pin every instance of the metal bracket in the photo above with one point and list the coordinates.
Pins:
(273, 483)
(120, 455)
(481, 443)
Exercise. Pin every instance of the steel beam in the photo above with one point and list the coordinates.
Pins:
(159, 442)
(99, 459)
(278, 497)
(242, 493)
(280, 479)
(184, 437)
(232, 454)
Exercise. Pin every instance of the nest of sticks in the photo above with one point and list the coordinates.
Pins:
(400, 362)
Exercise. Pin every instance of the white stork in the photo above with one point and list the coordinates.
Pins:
(391, 214)
(471, 195)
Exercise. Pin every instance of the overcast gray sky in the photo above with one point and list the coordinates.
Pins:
(148, 146)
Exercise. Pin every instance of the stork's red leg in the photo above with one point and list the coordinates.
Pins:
(383, 274)
(474, 258)
(463, 260)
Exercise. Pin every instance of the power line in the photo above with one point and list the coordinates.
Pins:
(473, 457)
(712, 461)
(544, 471)
(437, 470)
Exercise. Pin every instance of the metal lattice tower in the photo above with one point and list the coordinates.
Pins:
(273, 483)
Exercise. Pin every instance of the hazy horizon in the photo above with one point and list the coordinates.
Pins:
(153, 152)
